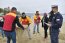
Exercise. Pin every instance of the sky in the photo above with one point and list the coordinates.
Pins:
(31, 6)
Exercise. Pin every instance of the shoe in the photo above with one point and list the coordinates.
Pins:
(38, 32)
(30, 38)
(33, 32)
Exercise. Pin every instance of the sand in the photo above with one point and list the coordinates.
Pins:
(22, 37)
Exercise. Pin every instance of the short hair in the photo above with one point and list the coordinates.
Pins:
(23, 13)
(45, 14)
(13, 8)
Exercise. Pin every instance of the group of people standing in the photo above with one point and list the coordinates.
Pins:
(53, 23)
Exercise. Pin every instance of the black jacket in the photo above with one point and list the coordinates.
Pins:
(45, 20)
(51, 16)
(57, 20)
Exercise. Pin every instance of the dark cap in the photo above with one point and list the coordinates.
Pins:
(37, 11)
(13, 8)
(54, 6)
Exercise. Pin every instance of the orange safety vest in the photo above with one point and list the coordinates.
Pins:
(25, 21)
(8, 21)
(37, 19)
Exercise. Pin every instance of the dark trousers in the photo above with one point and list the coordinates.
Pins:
(11, 36)
(54, 35)
(45, 32)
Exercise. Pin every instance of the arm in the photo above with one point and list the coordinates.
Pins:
(35, 19)
(18, 23)
(30, 21)
(42, 22)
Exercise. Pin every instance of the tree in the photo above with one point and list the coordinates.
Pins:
(1, 10)
(6, 10)
(18, 13)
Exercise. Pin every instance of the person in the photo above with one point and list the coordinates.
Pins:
(9, 26)
(1, 26)
(55, 24)
(45, 20)
(1, 22)
(26, 21)
(36, 21)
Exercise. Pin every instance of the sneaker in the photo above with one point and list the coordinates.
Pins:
(38, 32)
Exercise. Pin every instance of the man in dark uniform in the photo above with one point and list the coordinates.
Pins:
(55, 24)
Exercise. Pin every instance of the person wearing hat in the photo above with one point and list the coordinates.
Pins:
(45, 20)
(26, 21)
(9, 26)
(55, 24)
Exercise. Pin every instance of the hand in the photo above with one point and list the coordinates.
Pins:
(49, 25)
(23, 28)
(28, 24)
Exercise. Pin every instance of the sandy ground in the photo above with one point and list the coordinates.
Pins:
(22, 37)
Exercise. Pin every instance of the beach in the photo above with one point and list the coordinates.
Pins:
(12, 10)
(22, 36)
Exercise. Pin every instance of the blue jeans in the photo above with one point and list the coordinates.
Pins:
(11, 36)
(36, 25)
(2, 32)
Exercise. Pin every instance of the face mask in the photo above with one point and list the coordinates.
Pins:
(23, 15)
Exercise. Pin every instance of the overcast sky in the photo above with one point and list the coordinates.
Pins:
(32, 5)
